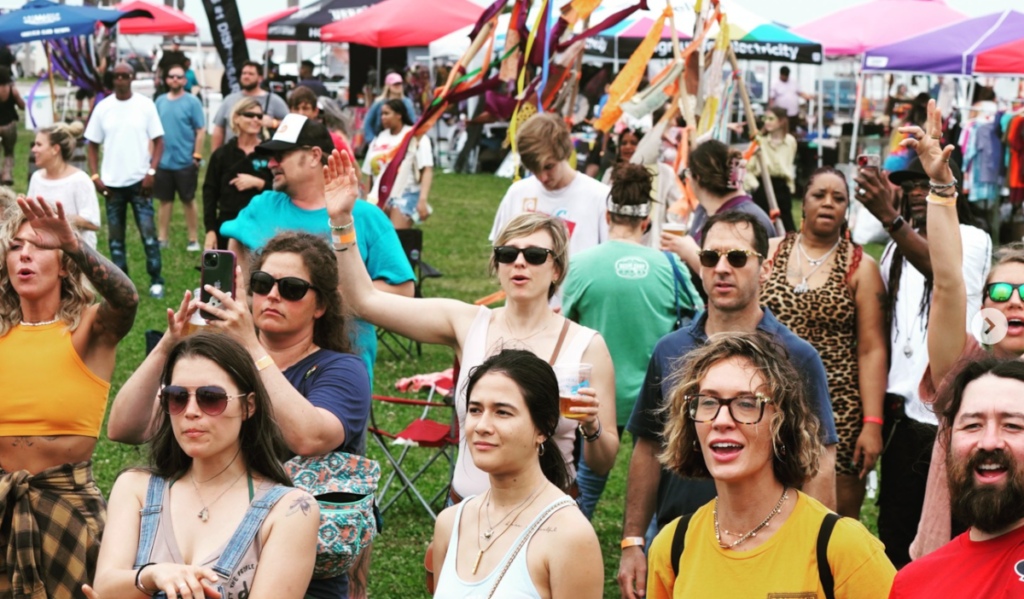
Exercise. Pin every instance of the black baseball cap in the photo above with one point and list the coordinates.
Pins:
(914, 170)
(296, 131)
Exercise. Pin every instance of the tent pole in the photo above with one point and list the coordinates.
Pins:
(49, 72)
(856, 116)
(378, 71)
(821, 114)
(769, 191)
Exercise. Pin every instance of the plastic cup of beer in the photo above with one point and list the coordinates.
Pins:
(572, 378)
(196, 323)
(677, 229)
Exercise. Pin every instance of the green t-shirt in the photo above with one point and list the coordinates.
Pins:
(625, 291)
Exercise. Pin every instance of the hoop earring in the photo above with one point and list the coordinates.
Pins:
(695, 446)
(540, 450)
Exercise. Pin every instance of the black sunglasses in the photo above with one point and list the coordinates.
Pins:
(175, 76)
(251, 115)
(507, 254)
(1002, 292)
(211, 400)
(737, 258)
(280, 155)
(291, 288)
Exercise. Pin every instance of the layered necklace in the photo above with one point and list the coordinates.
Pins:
(487, 534)
(757, 529)
(816, 263)
(204, 514)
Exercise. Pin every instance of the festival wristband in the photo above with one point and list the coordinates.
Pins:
(632, 542)
(349, 237)
(264, 362)
(938, 200)
(95, 177)
(873, 420)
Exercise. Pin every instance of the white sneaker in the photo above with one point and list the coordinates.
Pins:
(156, 291)
(193, 246)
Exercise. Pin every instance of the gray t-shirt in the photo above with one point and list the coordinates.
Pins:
(741, 204)
(272, 104)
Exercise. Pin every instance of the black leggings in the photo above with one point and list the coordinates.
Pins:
(782, 196)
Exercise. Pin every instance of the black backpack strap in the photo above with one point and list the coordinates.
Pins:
(828, 583)
(679, 542)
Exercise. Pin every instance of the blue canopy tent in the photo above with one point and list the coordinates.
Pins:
(43, 20)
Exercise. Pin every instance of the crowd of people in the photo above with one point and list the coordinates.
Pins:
(761, 379)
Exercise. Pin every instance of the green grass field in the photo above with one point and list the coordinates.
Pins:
(456, 244)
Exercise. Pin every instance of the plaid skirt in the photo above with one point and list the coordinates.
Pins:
(51, 532)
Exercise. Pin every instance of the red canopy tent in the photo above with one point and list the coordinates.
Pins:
(165, 21)
(257, 28)
(1004, 60)
(395, 23)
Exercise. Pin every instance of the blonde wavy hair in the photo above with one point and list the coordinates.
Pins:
(529, 223)
(75, 293)
(243, 105)
(794, 426)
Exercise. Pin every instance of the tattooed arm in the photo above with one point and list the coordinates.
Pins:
(289, 548)
(358, 576)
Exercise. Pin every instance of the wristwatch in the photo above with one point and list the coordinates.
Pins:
(895, 225)
(151, 172)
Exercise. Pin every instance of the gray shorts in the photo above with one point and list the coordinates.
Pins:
(182, 181)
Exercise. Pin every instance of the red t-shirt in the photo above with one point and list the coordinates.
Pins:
(963, 568)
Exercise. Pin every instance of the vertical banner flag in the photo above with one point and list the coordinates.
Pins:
(226, 28)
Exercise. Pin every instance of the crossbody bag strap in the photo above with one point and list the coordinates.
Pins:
(558, 346)
(150, 519)
(675, 286)
(551, 509)
(246, 531)
(828, 583)
(679, 543)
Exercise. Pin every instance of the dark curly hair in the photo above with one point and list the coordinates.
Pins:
(330, 331)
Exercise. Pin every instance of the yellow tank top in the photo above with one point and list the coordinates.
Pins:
(45, 388)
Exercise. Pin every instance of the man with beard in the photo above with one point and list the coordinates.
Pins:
(178, 173)
(274, 108)
(909, 425)
(983, 415)
(298, 153)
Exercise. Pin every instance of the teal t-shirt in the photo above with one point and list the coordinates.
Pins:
(273, 212)
(625, 291)
(180, 118)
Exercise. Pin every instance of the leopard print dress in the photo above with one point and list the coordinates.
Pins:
(826, 317)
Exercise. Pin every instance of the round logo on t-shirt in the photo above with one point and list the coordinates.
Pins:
(632, 268)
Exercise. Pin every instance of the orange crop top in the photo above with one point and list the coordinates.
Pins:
(45, 388)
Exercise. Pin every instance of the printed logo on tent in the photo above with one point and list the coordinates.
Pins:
(43, 19)
(877, 62)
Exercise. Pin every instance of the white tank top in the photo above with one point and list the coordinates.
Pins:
(515, 584)
(468, 479)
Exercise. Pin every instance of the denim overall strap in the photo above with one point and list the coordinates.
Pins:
(150, 519)
(246, 531)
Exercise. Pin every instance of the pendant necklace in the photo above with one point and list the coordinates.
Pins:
(908, 350)
(816, 263)
(757, 529)
(39, 324)
(204, 514)
(490, 527)
(480, 549)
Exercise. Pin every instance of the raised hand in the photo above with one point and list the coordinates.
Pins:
(928, 145)
(341, 187)
(233, 315)
(52, 229)
(177, 322)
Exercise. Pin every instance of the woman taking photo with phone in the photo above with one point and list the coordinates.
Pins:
(531, 259)
(512, 414)
(215, 511)
(741, 417)
(57, 351)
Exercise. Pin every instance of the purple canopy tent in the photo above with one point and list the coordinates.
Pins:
(950, 50)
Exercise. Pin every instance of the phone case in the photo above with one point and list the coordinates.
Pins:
(218, 270)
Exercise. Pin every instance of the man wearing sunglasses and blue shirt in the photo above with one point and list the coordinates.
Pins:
(733, 267)
(298, 151)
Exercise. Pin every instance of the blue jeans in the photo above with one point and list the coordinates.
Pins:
(591, 487)
(117, 212)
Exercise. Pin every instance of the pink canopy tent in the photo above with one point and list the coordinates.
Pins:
(165, 21)
(257, 28)
(395, 23)
(864, 26)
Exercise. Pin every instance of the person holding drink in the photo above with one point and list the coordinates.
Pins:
(530, 257)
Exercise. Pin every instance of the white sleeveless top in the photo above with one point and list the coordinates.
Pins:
(468, 479)
(515, 584)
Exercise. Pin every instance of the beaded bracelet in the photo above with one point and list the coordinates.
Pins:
(342, 227)
(935, 185)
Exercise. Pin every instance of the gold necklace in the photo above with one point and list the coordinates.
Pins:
(531, 335)
(204, 514)
(487, 513)
(481, 550)
(757, 529)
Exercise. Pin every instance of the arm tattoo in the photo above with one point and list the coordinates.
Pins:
(358, 574)
(301, 504)
(120, 299)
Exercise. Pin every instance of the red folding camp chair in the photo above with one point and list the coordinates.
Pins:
(422, 432)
